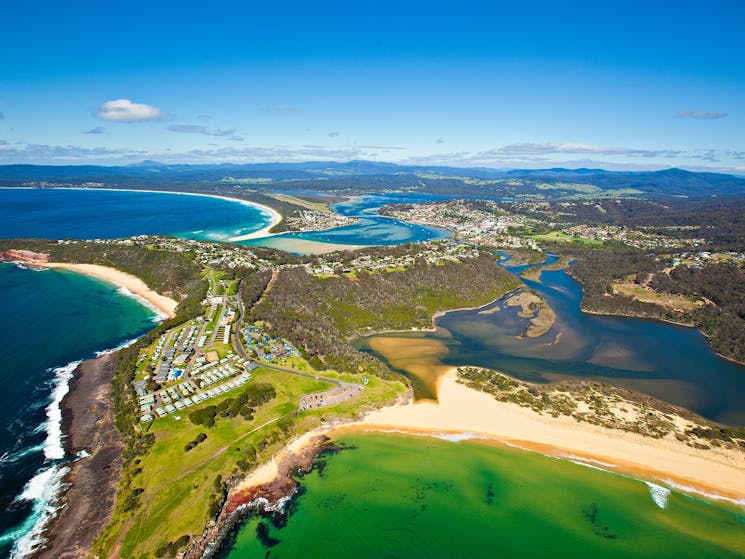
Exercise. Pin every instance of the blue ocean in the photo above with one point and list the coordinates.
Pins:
(51, 320)
(110, 214)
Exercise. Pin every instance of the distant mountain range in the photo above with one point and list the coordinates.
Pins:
(369, 176)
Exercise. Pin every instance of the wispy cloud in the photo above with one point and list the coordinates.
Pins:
(547, 149)
(44, 153)
(281, 109)
(383, 148)
(96, 130)
(124, 110)
(439, 141)
(524, 155)
(334, 134)
(199, 129)
(701, 115)
(2, 115)
(69, 154)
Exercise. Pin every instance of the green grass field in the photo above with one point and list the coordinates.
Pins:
(561, 237)
(178, 487)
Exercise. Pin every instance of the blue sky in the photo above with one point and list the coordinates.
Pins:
(622, 85)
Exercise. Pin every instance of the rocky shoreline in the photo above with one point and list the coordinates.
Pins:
(264, 499)
(89, 432)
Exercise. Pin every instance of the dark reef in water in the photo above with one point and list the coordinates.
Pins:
(274, 502)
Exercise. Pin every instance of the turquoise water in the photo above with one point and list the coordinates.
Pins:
(414, 497)
(89, 214)
(49, 320)
(372, 229)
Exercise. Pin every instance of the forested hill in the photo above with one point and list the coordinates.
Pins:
(365, 176)
(322, 315)
(721, 286)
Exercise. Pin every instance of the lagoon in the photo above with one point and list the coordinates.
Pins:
(670, 362)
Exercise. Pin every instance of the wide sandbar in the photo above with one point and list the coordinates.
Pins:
(304, 246)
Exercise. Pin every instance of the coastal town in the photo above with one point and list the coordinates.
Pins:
(212, 355)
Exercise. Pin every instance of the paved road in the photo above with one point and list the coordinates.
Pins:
(244, 354)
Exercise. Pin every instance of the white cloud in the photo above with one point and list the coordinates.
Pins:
(124, 110)
(198, 129)
(701, 115)
(514, 156)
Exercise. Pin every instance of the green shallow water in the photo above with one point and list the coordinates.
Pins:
(416, 497)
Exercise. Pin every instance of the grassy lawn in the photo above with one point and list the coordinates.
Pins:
(222, 349)
(232, 287)
(667, 300)
(561, 237)
(179, 486)
(296, 201)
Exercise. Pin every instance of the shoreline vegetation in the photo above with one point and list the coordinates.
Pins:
(461, 411)
(719, 286)
(563, 263)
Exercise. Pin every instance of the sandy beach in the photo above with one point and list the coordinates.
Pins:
(717, 473)
(165, 305)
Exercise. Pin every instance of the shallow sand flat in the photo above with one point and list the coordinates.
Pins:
(303, 246)
(421, 357)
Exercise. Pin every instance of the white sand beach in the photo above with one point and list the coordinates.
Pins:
(717, 473)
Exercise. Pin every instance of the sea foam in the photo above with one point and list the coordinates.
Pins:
(660, 495)
(53, 446)
(43, 491)
(160, 316)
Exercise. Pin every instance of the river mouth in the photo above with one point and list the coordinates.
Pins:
(665, 361)
(420, 359)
